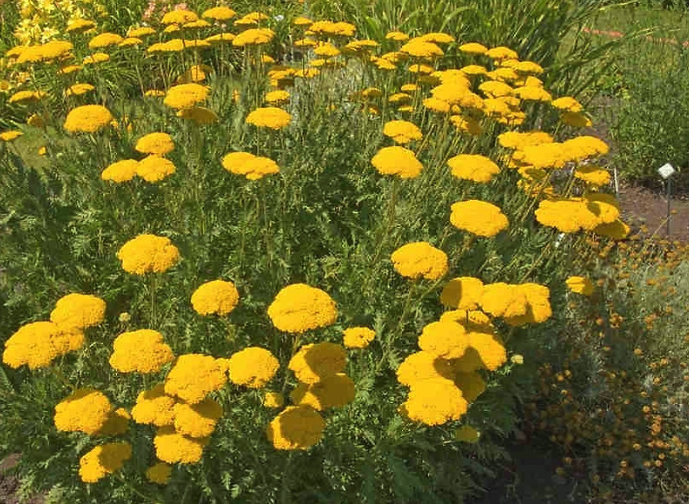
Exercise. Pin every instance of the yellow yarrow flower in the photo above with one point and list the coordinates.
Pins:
(421, 366)
(473, 48)
(148, 253)
(105, 40)
(331, 392)
(269, 117)
(473, 167)
(273, 400)
(580, 285)
(179, 17)
(85, 410)
(252, 167)
(155, 168)
(142, 351)
(159, 473)
(174, 448)
(78, 311)
(397, 161)
(220, 13)
(253, 36)
(94, 58)
(252, 367)
(103, 460)
(155, 143)
(402, 132)
(478, 217)
(37, 344)
(462, 293)
(154, 407)
(504, 300)
(298, 308)
(8, 136)
(79, 89)
(358, 337)
(420, 260)
(434, 401)
(194, 376)
(197, 420)
(87, 119)
(444, 339)
(296, 428)
(120, 171)
(316, 361)
(186, 95)
(26, 96)
(215, 297)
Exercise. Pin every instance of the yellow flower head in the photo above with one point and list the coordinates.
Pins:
(277, 97)
(79, 25)
(221, 13)
(45, 52)
(538, 308)
(36, 120)
(194, 376)
(155, 143)
(200, 115)
(331, 392)
(445, 339)
(473, 167)
(87, 119)
(567, 215)
(504, 300)
(273, 400)
(316, 361)
(105, 40)
(298, 308)
(8, 136)
(397, 161)
(252, 167)
(568, 104)
(478, 217)
(473, 48)
(37, 344)
(269, 117)
(94, 58)
(78, 311)
(215, 297)
(197, 420)
(502, 53)
(296, 428)
(103, 460)
(154, 407)
(420, 260)
(397, 36)
(142, 31)
(580, 285)
(148, 253)
(186, 95)
(85, 410)
(421, 49)
(434, 401)
(253, 36)
(116, 424)
(179, 17)
(159, 473)
(358, 337)
(173, 448)
(463, 293)
(402, 132)
(518, 140)
(421, 366)
(79, 89)
(142, 351)
(120, 171)
(437, 105)
(485, 351)
(252, 367)
(26, 96)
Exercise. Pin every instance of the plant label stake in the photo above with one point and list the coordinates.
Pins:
(666, 171)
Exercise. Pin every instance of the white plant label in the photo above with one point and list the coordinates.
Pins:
(666, 170)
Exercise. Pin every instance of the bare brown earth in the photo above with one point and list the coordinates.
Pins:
(9, 484)
(645, 206)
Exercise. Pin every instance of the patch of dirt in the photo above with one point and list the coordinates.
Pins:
(9, 484)
(645, 206)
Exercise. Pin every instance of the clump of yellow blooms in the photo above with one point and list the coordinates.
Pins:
(252, 167)
(78, 311)
(445, 339)
(186, 96)
(194, 376)
(473, 167)
(155, 168)
(154, 407)
(298, 308)
(155, 143)
(197, 420)
(402, 132)
(316, 361)
(159, 473)
(120, 171)
(39, 343)
(218, 297)
(103, 460)
(296, 428)
(580, 285)
(397, 161)
(269, 117)
(87, 119)
(478, 217)
(148, 254)
(358, 337)
(463, 293)
(423, 404)
(142, 351)
(420, 260)
(331, 392)
(116, 424)
(173, 448)
(252, 367)
(85, 410)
